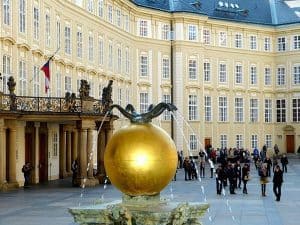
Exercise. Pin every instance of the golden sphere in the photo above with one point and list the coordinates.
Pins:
(140, 159)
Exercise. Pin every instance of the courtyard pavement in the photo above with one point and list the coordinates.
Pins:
(47, 204)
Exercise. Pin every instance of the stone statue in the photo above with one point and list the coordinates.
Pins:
(107, 96)
(70, 101)
(84, 90)
(11, 87)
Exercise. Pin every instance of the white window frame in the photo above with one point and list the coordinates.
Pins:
(192, 66)
(101, 51)
(91, 48)
(144, 102)
(253, 75)
(47, 29)
(127, 61)
(6, 12)
(119, 59)
(207, 71)
(6, 72)
(296, 109)
(206, 36)
(254, 110)
(110, 55)
(68, 40)
(268, 111)
(239, 109)
(193, 107)
(165, 68)
(253, 42)
(207, 108)
(222, 39)
(223, 141)
(267, 76)
(193, 142)
(192, 32)
(296, 42)
(36, 23)
(36, 81)
(58, 84)
(22, 78)
(254, 141)
(281, 44)
(281, 110)
(144, 66)
(165, 30)
(143, 28)
(239, 141)
(296, 75)
(79, 44)
(68, 84)
(22, 16)
(267, 44)
(280, 76)
(238, 73)
(118, 17)
(166, 114)
(222, 72)
(238, 42)
(268, 141)
(223, 109)
(100, 8)
(110, 13)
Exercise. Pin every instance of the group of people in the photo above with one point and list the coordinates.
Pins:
(233, 168)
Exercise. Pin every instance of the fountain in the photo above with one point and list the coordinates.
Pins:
(140, 160)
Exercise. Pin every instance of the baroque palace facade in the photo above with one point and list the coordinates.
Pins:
(231, 67)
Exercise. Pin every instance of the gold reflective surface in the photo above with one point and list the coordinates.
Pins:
(140, 159)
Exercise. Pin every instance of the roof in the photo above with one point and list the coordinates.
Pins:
(266, 12)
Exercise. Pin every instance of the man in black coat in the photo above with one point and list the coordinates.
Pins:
(277, 182)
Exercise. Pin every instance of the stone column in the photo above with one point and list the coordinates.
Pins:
(74, 145)
(2, 156)
(90, 157)
(36, 165)
(62, 154)
(82, 153)
(100, 153)
(69, 149)
(12, 155)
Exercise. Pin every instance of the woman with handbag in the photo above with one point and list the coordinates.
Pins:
(245, 177)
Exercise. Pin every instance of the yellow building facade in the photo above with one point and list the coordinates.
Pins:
(235, 84)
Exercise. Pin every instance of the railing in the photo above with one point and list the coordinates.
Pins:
(50, 104)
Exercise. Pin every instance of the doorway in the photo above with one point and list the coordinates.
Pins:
(290, 143)
(207, 143)
(43, 153)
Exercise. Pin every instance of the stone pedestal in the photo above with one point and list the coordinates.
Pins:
(141, 210)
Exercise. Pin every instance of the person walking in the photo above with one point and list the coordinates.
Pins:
(187, 169)
(284, 161)
(219, 179)
(277, 182)
(268, 161)
(74, 168)
(202, 168)
(238, 171)
(263, 179)
(245, 177)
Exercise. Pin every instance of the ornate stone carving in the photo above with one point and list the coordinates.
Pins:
(84, 90)
(70, 102)
(11, 87)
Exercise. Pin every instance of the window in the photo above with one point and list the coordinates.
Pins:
(238, 41)
(206, 68)
(296, 110)
(144, 102)
(120, 96)
(223, 141)
(58, 85)
(79, 44)
(296, 75)
(126, 23)
(223, 109)
(297, 42)
(192, 107)
(207, 107)
(90, 6)
(22, 78)
(143, 66)
(253, 75)
(239, 109)
(167, 114)
(55, 144)
(91, 48)
(143, 28)
(192, 69)
(253, 44)
(36, 81)
(254, 110)
(127, 61)
(239, 141)
(58, 40)
(36, 23)
(280, 110)
(281, 44)
(79, 2)
(192, 35)
(110, 55)
(100, 8)
(100, 91)
(238, 74)
(268, 140)
(118, 17)
(280, 76)
(193, 142)
(254, 141)
(67, 40)
(268, 110)
(68, 84)
(222, 73)
(223, 39)
(206, 36)
(47, 33)
(22, 16)
(110, 13)
(6, 72)
(165, 68)
(119, 64)
(101, 51)
(127, 95)
(6, 12)
(268, 79)
(267, 44)
(165, 32)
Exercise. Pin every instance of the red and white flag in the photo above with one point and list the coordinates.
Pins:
(46, 69)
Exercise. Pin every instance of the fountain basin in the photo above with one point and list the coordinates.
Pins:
(140, 210)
